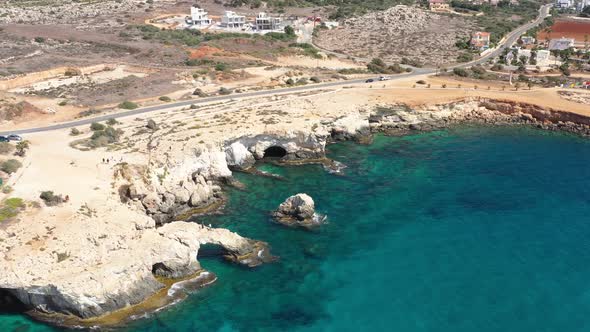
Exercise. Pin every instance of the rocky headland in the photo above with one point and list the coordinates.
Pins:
(95, 259)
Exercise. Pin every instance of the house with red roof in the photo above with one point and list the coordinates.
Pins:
(480, 40)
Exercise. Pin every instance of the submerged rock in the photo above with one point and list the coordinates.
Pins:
(297, 210)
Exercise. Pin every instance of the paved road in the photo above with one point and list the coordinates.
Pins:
(511, 39)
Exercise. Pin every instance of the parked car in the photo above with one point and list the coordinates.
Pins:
(14, 137)
(370, 80)
(3, 139)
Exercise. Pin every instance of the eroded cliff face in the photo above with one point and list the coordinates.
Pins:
(93, 263)
(90, 268)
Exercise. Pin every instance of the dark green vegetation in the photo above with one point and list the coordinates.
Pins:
(128, 105)
(501, 19)
(10, 208)
(104, 136)
(51, 199)
(191, 37)
(477, 72)
(378, 66)
(10, 166)
(308, 49)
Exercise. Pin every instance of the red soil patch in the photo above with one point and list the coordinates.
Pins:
(204, 51)
(567, 29)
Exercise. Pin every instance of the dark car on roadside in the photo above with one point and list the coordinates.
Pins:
(14, 137)
(370, 80)
(3, 139)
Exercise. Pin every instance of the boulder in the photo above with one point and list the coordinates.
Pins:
(151, 202)
(238, 156)
(297, 210)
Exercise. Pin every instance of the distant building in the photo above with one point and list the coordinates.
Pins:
(438, 5)
(524, 52)
(232, 20)
(561, 44)
(543, 57)
(480, 40)
(564, 4)
(266, 22)
(199, 16)
(527, 40)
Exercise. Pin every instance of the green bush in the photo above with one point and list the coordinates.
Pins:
(10, 166)
(63, 103)
(50, 198)
(10, 208)
(95, 126)
(465, 57)
(112, 122)
(39, 40)
(128, 105)
(315, 79)
(6, 148)
(224, 91)
(104, 137)
(221, 66)
(165, 99)
(462, 72)
(74, 132)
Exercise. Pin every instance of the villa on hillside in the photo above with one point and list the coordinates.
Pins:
(438, 5)
(561, 44)
(232, 20)
(480, 40)
(564, 4)
(266, 22)
(199, 16)
(527, 40)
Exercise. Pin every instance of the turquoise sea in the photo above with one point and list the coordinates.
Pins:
(467, 229)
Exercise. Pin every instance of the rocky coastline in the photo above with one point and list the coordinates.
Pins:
(164, 192)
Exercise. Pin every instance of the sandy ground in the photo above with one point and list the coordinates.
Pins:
(54, 165)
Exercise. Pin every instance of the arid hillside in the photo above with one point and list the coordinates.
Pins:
(398, 32)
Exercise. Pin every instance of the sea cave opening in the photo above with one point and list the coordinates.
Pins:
(275, 152)
(10, 304)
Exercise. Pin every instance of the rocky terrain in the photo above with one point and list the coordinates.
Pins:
(297, 210)
(399, 32)
(577, 97)
(122, 229)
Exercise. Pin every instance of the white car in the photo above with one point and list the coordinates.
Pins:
(384, 78)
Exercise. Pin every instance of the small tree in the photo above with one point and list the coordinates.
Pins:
(74, 132)
(22, 147)
(529, 84)
(516, 86)
(10, 166)
(6, 148)
(289, 30)
(95, 126)
(112, 122)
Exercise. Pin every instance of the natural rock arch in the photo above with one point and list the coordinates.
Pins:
(275, 152)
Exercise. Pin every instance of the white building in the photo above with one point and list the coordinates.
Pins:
(524, 52)
(543, 57)
(232, 20)
(199, 16)
(564, 4)
(266, 22)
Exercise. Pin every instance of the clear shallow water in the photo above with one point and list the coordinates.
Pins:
(471, 229)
